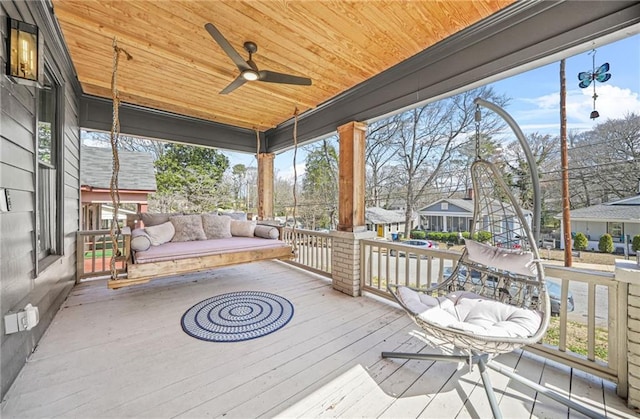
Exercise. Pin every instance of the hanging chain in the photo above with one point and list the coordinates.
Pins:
(115, 136)
(478, 118)
(295, 180)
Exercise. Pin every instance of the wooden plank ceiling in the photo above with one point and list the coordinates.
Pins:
(177, 67)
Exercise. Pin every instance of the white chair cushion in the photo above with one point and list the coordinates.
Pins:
(472, 313)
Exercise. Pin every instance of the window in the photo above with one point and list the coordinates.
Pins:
(444, 206)
(615, 229)
(48, 217)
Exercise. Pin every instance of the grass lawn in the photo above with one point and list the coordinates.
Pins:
(577, 338)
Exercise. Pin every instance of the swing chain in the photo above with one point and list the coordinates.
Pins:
(478, 118)
(295, 180)
(114, 138)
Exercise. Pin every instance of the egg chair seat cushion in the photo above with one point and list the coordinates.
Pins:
(471, 313)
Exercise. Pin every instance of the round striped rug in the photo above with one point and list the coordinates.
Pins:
(237, 316)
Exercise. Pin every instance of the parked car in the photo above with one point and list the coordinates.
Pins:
(553, 289)
(423, 244)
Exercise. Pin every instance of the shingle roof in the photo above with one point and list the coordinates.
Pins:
(623, 210)
(377, 215)
(136, 169)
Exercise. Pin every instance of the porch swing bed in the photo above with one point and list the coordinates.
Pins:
(177, 258)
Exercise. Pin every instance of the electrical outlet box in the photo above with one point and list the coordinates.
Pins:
(25, 319)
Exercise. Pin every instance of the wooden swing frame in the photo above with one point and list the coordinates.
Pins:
(140, 273)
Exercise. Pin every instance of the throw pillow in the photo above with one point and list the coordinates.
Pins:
(140, 240)
(153, 219)
(188, 228)
(242, 228)
(216, 226)
(503, 259)
(266, 232)
(161, 233)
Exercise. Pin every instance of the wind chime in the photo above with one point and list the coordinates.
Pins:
(600, 75)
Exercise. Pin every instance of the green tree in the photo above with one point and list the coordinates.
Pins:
(580, 241)
(605, 245)
(191, 173)
(635, 244)
(320, 186)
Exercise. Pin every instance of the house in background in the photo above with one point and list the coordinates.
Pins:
(448, 214)
(386, 222)
(621, 219)
(136, 181)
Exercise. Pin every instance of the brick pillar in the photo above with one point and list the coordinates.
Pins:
(345, 260)
(627, 273)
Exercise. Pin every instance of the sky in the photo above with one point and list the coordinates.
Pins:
(535, 97)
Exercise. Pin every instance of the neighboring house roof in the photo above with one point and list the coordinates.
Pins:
(465, 205)
(136, 169)
(627, 209)
(377, 215)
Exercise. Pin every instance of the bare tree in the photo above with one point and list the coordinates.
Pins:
(427, 136)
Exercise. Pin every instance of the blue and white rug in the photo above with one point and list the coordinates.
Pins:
(237, 316)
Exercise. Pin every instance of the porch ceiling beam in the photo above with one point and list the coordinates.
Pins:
(96, 114)
(514, 37)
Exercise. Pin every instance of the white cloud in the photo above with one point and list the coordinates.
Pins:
(612, 102)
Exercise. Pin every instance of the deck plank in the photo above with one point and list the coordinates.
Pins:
(122, 353)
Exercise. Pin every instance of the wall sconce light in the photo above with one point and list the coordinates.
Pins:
(23, 45)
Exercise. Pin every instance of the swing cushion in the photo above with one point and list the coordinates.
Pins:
(242, 228)
(266, 232)
(161, 233)
(515, 261)
(140, 240)
(216, 226)
(471, 313)
(188, 228)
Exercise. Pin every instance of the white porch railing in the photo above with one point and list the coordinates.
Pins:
(93, 254)
(384, 262)
(312, 249)
(594, 293)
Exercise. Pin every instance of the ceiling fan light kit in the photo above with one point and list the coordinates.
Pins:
(248, 69)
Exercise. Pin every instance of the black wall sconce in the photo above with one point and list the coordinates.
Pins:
(23, 45)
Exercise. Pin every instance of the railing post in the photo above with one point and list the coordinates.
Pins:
(79, 256)
(345, 257)
(627, 274)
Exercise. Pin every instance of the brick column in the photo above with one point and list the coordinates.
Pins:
(627, 273)
(345, 260)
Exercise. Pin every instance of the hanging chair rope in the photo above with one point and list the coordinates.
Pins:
(115, 136)
(295, 180)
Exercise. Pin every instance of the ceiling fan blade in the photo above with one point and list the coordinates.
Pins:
(239, 81)
(226, 47)
(273, 77)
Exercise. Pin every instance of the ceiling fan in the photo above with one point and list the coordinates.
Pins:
(248, 69)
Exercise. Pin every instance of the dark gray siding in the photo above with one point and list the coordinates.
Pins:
(19, 282)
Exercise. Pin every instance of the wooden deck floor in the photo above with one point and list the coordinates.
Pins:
(123, 353)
